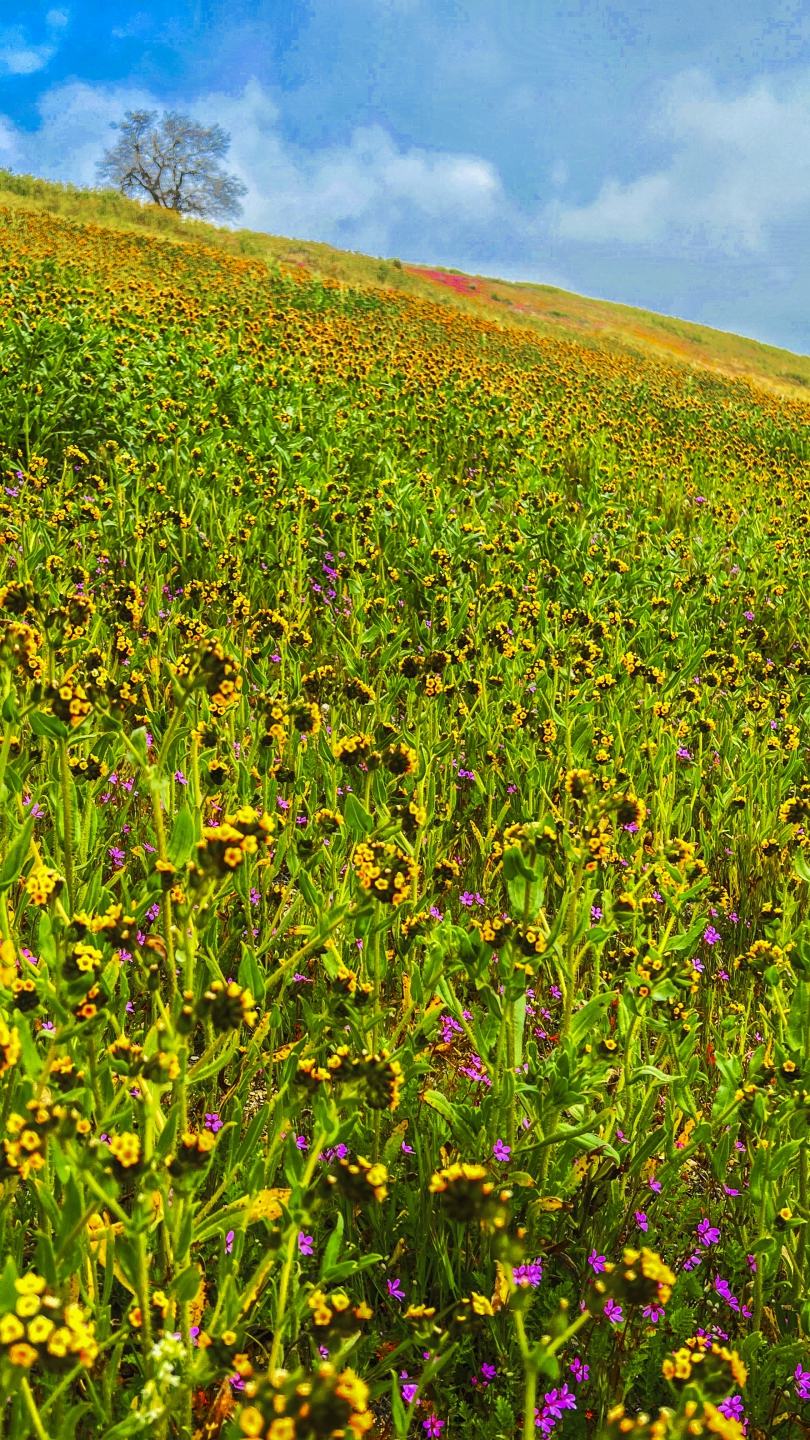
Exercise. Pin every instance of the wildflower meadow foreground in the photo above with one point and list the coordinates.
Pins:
(405, 858)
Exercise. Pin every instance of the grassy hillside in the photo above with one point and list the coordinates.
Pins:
(543, 309)
(404, 865)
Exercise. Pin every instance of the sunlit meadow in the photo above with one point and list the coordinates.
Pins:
(404, 856)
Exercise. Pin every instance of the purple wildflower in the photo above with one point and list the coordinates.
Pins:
(529, 1274)
(708, 1234)
(732, 1408)
(556, 1401)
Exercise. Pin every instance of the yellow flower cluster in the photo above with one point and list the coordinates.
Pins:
(326, 1403)
(40, 1328)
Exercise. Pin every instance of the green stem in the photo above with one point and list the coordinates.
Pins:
(4, 752)
(801, 1248)
(292, 1243)
(84, 834)
(166, 900)
(67, 820)
(570, 966)
(31, 1406)
(511, 1112)
(530, 1378)
(142, 1281)
(756, 1320)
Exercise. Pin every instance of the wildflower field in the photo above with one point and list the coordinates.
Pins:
(404, 857)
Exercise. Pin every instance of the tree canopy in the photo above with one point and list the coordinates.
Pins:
(175, 162)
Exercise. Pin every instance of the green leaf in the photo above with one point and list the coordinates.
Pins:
(548, 1365)
(182, 837)
(358, 819)
(48, 727)
(70, 1211)
(61, 1164)
(801, 867)
(352, 1267)
(32, 1060)
(8, 1294)
(687, 940)
(451, 1113)
(730, 1069)
(312, 896)
(12, 781)
(324, 748)
(587, 1141)
(212, 1066)
(70, 1420)
(585, 1019)
(167, 1134)
(132, 1425)
(654, 1072)
(796, 1016)
(398, 1409)
(187, 1284)
(647, 1148)
(516, 889)
(597, 934)
(16, 855)
(252, 1135)
(250, 975)
(720, 1153)
(45, 1256)
(665, 991)
(138, 742)
(519, 1020)
(331, 1254)
(778, 1160)
(515, 867)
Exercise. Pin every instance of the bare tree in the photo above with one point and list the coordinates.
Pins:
(175, 162)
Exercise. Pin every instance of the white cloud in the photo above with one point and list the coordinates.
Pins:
(19, 58)
(740, 166)
(137, 25)
(74, 131)
(366, 194)
(362, 191)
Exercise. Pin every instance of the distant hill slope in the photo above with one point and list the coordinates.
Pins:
(544, 309)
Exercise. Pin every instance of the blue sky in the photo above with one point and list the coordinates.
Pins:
(655, 153)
